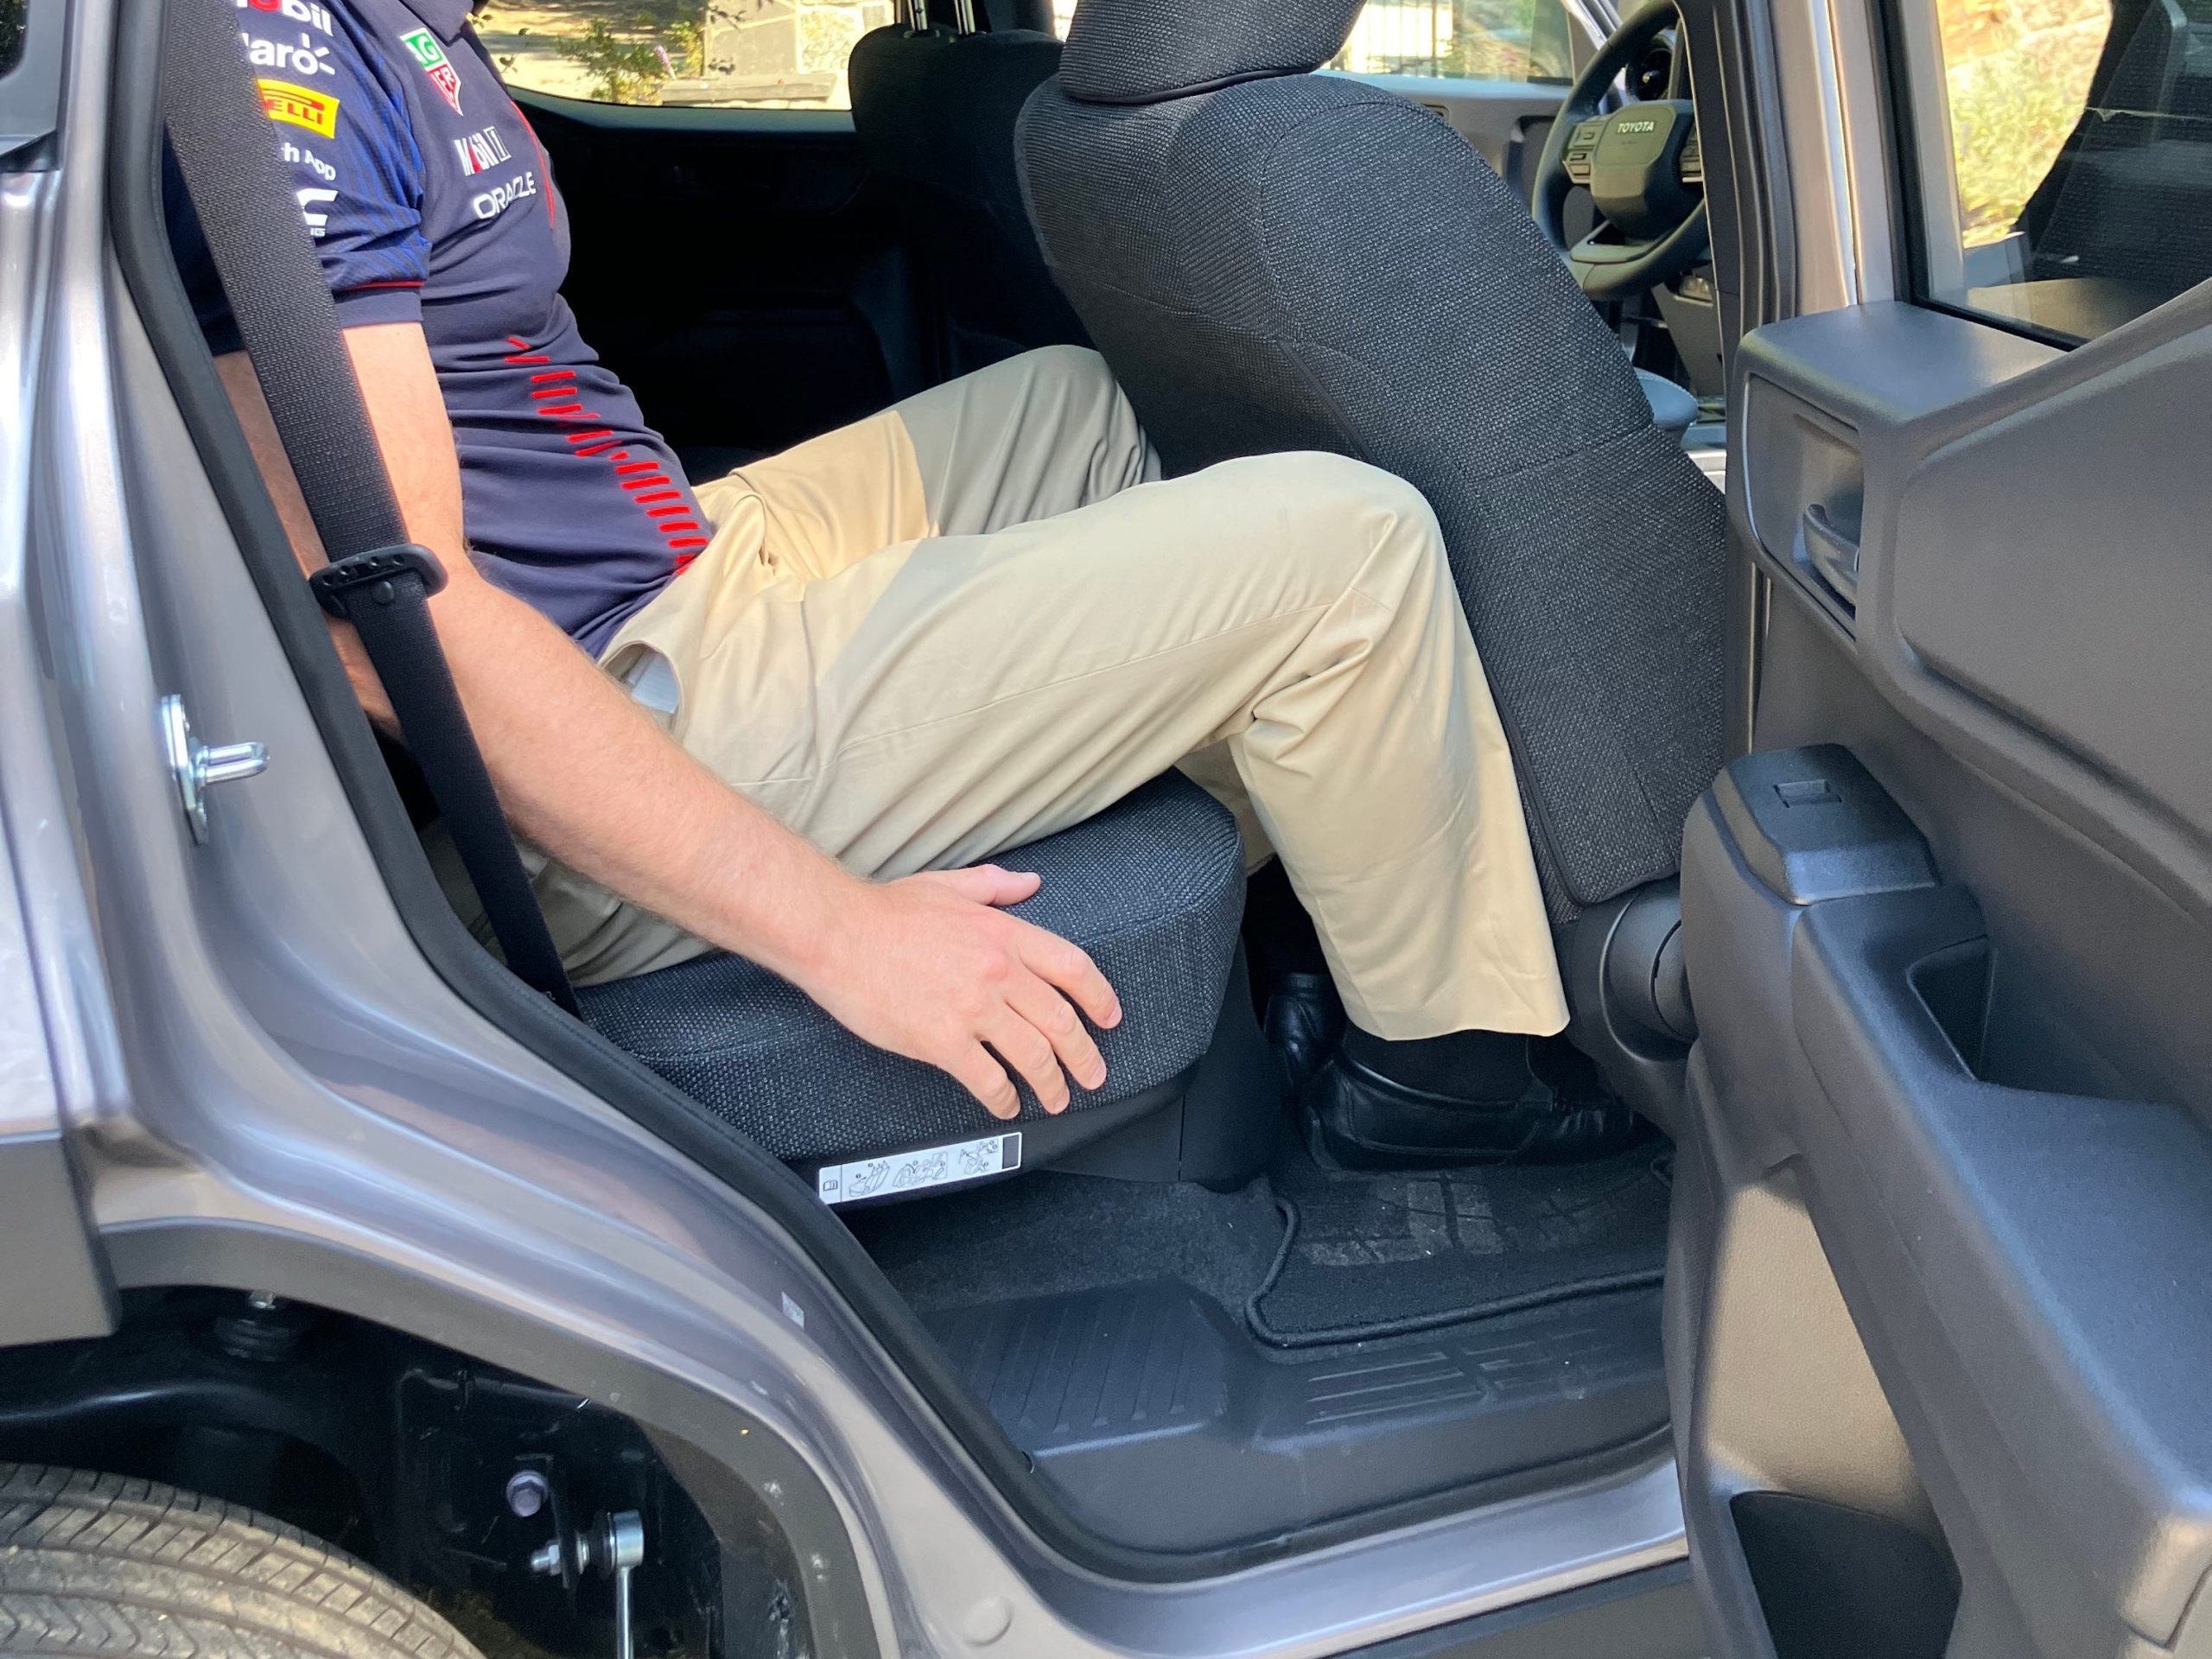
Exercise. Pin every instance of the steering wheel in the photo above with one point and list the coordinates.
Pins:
(1642, 165)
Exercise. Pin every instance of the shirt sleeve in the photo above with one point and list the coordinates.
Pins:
(341, 129)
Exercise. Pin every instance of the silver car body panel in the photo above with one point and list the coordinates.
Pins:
(1836, 153)
(265, 1084)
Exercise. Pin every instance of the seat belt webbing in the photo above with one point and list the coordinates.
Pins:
(284, 314)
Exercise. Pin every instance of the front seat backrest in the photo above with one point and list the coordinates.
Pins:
(1272, 259)
(935, 112)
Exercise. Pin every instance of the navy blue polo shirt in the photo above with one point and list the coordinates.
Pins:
(430, 199)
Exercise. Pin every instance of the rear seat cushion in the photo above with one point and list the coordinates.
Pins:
(1152, 888)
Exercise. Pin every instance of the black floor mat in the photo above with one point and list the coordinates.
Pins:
(1051, 1234)
(1371, 1255)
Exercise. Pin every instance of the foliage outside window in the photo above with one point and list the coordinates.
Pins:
(1476, 40)
(12, 17)
(2017, 74)
(2080, 141)
(759, 53)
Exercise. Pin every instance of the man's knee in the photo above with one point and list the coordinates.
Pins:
(1076, 367)
(1347, 510)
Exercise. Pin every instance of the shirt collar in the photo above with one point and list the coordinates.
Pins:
(447, 18)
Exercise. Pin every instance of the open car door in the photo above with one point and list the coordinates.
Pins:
(1941, 1293)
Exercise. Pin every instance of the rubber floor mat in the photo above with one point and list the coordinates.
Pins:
(1369, 1256)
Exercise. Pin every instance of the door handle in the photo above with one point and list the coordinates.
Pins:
(1831, 551)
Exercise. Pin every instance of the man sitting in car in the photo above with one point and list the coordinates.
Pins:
(792, 712)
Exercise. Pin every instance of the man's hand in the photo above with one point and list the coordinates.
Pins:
(929, 968)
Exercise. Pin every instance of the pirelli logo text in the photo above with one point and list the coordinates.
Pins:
(300, 107)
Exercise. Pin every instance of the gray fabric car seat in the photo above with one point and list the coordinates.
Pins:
(935, 112)
(1153, 887)
(1271, 259)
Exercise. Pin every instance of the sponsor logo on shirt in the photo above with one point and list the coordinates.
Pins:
(480, 152)
(309, 200)
(301, 155)
(490, 204)
(426, 51)
(299, 106)
(294, 11)
(306, 58)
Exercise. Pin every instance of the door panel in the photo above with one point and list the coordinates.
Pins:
(735, 267)
(1943, 1224)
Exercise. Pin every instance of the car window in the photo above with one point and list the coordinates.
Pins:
(11, 33)
(1460, 40)
(752, 54)
(2065, 156)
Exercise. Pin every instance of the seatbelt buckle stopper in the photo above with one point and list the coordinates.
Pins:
(335, 584)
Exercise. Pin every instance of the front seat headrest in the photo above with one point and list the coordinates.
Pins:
(1033, 17)
(1147, 51)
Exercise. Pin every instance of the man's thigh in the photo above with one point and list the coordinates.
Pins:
(945, 699)
(1036, 435)
(938, 702)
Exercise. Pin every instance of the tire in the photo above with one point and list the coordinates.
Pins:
(97, 1564)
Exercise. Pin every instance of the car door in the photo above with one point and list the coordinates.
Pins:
(1938, 1324)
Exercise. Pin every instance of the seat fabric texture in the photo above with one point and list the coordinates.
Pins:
(1152, 888)
(935, 113)
(1271, 260)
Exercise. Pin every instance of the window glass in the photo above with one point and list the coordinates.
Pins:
(2066, 151)
(777, 54)
(1463, 40)
(11, 33)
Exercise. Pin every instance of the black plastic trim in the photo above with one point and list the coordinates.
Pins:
(150, 276)
(332, 582)
(1736, 90)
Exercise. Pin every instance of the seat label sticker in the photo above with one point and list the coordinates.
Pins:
(911, 1171)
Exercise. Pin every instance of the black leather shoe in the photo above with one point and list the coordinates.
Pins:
(1363, 1119)
(1304, 1021)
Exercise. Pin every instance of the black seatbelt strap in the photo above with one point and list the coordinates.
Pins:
(377, 580)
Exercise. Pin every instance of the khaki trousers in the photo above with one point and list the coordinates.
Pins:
(980, 617)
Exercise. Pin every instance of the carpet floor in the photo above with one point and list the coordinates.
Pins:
(1307, 1257)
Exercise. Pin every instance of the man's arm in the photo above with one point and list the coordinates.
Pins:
(928, 966)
